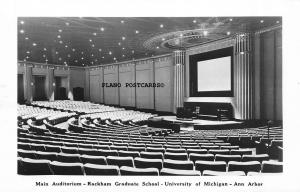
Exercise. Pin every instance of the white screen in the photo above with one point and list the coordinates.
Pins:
(214, 74)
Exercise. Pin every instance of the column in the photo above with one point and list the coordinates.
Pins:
(51, 84)
(244, 76)
(179, 62)
(28, 83)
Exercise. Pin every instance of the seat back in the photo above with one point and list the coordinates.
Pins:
(176, 156)
(68, 158)
(219, 151)
(176, 164)
(221, 173)
(152, 155)
(129, 154)
(227, 158)
(210, 165)
(259, 157)
(61, 168)
(98, 160)
(244, 166)
(120, 161)
(154, 149)
(46, 155)
(28, 166)
(202, 157)
(176, 172)
(148, 163)
(92, 169)
(272, 167)
(198, 151)
(124, 170)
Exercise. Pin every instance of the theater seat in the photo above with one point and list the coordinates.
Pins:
(198, 151)
(222, 173)
(26, 154)
(176, 164)
(124, 170)
(28, 166)
(241, 152)
(253, 166)
(219, 151)
(92, 169)
(210, 165)
(148, 163)
(132, 154)
(46, 155)
(61, 168)
(177, 172)
(120, 161)
(272, 167)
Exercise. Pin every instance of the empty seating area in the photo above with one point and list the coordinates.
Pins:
(114, 143)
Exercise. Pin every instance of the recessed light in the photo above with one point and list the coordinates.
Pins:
(34, 44)
(93, 45)
(110, 52)
(228, 33)
(94, 34)
(119, 43)
(122, 21)
(81, 52)
(161, 26)
(22, 22)
(73, 49)
(45, 49)
(60, 42)
(56, 52)
(82, 58)
(67, 24)
(132, 51)
(59, 58)
(123, 38)
(277, 21)
(205, 33)
(115, 58)
(100, 50)
(28, 52)
(194, 21)
(44, 55)
(66, 46)
(102, 29)
(123, 48)
(181, 35)
(90, 40)
(163, 39)
(60, 30)
(76, 61)
(26, 38)
(69, 55)
(261, 21)
(103, 57)
(157, 47)
(230, 19)
(136, 31)
(22, 31)
(123, 55)
(58, 36)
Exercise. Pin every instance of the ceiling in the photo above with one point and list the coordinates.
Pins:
(89, 41)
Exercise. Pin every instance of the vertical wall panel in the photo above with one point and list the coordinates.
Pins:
(111, 94)
(127, 75)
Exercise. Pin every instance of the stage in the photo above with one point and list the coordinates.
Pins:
(203, 124)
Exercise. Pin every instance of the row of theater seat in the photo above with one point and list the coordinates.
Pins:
(139, 166)
(75, 156)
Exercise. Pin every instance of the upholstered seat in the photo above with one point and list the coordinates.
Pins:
(124, 170)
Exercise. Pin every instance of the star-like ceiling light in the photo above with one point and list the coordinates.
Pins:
(110, 52)
(58, 36)
(67, 24)
(94, 34)
(26, 38)
(102, 29)
(22, 31)
(228, 33)
(161, 26)
(137, 32)
(261, 21)
(60, 30)
(122, 21)
(22, 22)
(123, 38)
(45, 49)
(194, 21)
(34, 44)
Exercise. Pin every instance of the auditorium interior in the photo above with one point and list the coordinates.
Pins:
(185, 96)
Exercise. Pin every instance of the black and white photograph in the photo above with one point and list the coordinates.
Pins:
(143, 96)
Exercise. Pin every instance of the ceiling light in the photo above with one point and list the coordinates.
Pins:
(261, 21)
(194, 21)
(110, 52)
(66, 46)
(157, 47)
(81, 52)
(242, 53)
(59, 58)
(58, 36)
(60, 42)
(60, 30)
(136, 31)
(115, 58)
(56, 52)
(102, 29)
(93, 45)
(22, 22)
(76, 61)
(205, 33)
(228, 33)
(277, 21)
(161, 26)
(22, 31)
(82, 58)
(132, 51)
(103, 57)
(181, 35)
(163, 39)
(34, 44)
(230, 19)
(123, 38)
(28, 52)
(45, 49)
(100, 50)
(94, 34)
(90, 40)
(92, 55)
(69, 55)
(26, 38)
(122, 21)
(123, 55)
(44, 55)
(119, 43)
(67, 24)
(73, 49)
(82, 64)
(123, 48)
